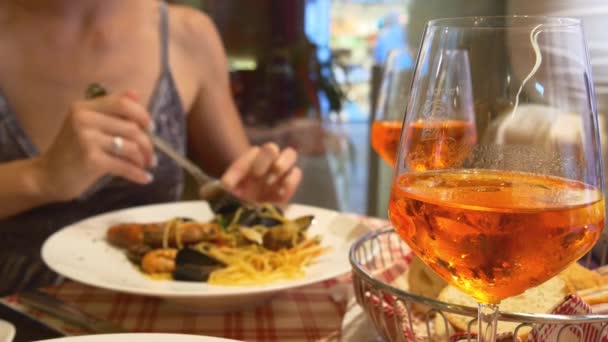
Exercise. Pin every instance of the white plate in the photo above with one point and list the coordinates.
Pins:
(135, 337)
(7, 331)
(80, 252)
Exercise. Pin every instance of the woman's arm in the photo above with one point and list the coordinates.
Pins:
(20, 182)
(84, 150)
(215, 132)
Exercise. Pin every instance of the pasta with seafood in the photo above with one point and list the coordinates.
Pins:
(244, 246)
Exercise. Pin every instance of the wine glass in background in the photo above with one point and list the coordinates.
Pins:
(444, 135)
(498, 184)
(394, 92)
(390, 108)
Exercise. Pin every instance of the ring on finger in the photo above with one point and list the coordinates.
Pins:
(118, 143)
(271, 179)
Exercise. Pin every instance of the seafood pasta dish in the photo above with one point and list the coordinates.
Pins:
(239, 246)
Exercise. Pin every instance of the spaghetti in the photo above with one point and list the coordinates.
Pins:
(246, 247)
(253, 265)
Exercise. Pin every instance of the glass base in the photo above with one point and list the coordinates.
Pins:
(487, 322)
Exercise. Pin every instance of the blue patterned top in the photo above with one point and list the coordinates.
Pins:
(22, 235)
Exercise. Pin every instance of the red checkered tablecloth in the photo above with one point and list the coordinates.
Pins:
(310, 313)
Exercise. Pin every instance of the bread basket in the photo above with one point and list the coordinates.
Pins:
(391, 309)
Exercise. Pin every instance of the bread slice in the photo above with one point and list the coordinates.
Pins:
(424, 282)
(594, 295)
(540, 299)
(591, 286)
(442, 329)
(580, 278)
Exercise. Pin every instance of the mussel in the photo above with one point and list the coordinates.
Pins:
(287, 235)
(269, 222)
(254, 217)
(225, 205)
(304, 222)
(192, 265)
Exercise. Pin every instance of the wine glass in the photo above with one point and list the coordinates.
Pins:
(390, 108)
(506, 201)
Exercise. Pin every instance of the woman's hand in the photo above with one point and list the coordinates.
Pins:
(103, 136)
(264, 174)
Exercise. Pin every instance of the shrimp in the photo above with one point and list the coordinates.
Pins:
(189, 233)
(126, 235)
(159, 261)
(133, 234)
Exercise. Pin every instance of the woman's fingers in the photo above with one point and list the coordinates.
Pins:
(265, 159)
(124, 149)
(264, 173)
(125, 169)
(282, 165)
(123, 106)
(257, 163)
(288, 185)
(130, 132)
(240, 168)
(105, 135)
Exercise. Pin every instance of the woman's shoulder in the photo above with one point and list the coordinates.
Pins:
(191, 28)
(195, 38)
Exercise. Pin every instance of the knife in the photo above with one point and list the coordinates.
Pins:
(29, 328)
(67, 312)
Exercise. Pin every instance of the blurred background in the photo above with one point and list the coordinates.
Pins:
(306, 73)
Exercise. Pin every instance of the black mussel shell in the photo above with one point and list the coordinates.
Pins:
(269, 222)
(192, 256)
(285, 235)
(190, 272)
(253, 217)
(275, 207)
(249, 217)
(225, 205)
(192, 265)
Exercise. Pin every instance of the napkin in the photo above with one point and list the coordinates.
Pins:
(572, 305)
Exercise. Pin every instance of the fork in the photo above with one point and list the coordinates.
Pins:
(211, 189)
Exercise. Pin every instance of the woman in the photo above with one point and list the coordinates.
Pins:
(63, 158)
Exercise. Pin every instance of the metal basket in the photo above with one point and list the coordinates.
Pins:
(369, 255)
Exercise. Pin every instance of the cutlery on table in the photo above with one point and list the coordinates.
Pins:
(67, 312)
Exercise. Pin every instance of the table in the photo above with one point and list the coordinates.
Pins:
(309, 313)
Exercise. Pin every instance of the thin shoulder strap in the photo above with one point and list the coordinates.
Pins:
(164, 35)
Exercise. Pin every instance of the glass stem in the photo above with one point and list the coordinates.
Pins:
(487, 322)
